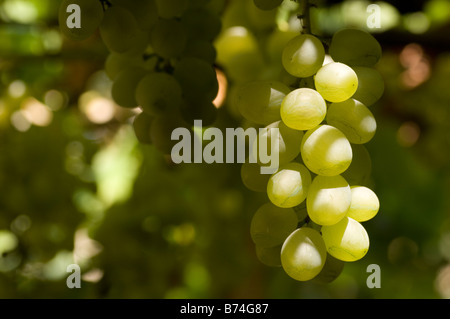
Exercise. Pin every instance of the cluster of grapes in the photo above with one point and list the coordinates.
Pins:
(320, 194)
(161, 59)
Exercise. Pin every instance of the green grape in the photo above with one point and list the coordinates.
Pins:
(169, 9)
(144, 11)
(361, 167)
(271, 225)
(275, 44)
(253, 179)
(124, 86)
(161, 131)
(260, 101)
(201, 24)
(90, 18)
(365, 204)
(331, 270)
(158, 92)
(303, 109)
(336, 82)
(200, 109)
(355, 48)
(303, 55)
(289, 186)
(267, 4)
(115, 63)
(168, 38)
(289, 142)
(119, 30)
(141, 125)
(269, 256)
(201, 49)
(347, 240)
(197, 78)
(329, 199)
(370, 85)
(353, 119)
(303, 254)
(326, 151)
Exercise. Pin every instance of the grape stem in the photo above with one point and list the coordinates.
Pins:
(305, 17)
(106, 4)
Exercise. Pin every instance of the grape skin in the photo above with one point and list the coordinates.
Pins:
(336, 82)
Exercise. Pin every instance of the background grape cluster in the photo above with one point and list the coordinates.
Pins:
(318, 198)
(161, 60)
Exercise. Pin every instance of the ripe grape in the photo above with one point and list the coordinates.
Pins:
(347, 240)
(271, 225)
(161, 130)
(197, 78)
(289, 142)
(141, 125)
(360, 169)
(364, 205)
(353, 119)
(355, 48)
(329, 199)
(289, 186)
(260, 101)
(336, 82)
(168, 38)
(269, 256)
(158, 92)
(326, 151)
(91, 16)
(303, 254)
(303, 55)
(124, 86)
(370, 85)
(119, 30)
(169, 9)
(303, 109)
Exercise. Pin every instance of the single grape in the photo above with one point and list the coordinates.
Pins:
(364, 205)
(303, 109)
(161, 131)
(329, 199)
(303, 254)
(289, 142)
(331, 270)
(90, 14)
(197, 78)
(124, 86)
(326, 151)
(303, 55)
(370, 85)
(355, 48)
(141, 125)
(267, 4)
(253, 179)
(119, 30)
(360, 169)
(169, 9)
(158, 92)
(168, 38)
(347, 240)
(269, 256)
(336, 82)
(271, 225)
(144, 11)
(289, 186)
(353, 119)
(260, 101)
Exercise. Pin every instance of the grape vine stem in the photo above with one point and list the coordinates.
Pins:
(305, 16)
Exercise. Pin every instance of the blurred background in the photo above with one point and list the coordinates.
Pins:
(77, 187)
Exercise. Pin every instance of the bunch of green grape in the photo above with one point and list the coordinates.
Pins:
(161, 59)
(320, 195)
